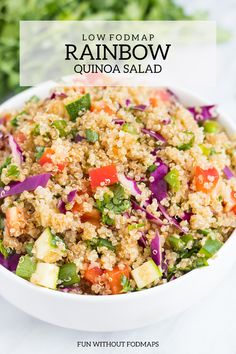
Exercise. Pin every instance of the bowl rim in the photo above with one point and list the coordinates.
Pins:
(21, 97)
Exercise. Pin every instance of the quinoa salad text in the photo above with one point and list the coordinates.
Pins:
(110, 190)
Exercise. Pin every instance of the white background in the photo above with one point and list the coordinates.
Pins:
(207, 328)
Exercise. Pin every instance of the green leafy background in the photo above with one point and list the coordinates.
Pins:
(12, 11)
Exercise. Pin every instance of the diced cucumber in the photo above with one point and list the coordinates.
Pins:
(48, 247)
(26, 267)
(78, 106)
(46, 275)
(68, 274)
(147, 273)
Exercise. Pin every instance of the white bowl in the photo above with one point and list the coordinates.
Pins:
(116, 312)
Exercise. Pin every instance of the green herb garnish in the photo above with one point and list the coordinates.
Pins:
(36, 130)
(15, 121)
(13, 171)
(5, 164)
(117, 203)
(39, 152)
(101, 242)
(152, 168)
(189, 144)
(107, 220)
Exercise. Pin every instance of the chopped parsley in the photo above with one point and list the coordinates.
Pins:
(107, 220)
(152, 168)
(5, 164)
(39, 152)
(13, 171)
(101, 242)
(36, 130)
(118, 202)
(15, 121)
(187, 145)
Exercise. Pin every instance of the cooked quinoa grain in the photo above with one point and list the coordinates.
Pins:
(110, 190)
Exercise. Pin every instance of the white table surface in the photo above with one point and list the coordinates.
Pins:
(207, 328)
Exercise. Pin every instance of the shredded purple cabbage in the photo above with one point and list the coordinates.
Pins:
(119, 121)
(78, 138)
(129, 184)
(202, 113)
(71, 196)
(228, 173)
(142, 241)
(15, 150)
(155, 246)
(153, 134)
(127, 102)
(55, 94)
(171, 219)
(3, 261)
(187, 216)
(166, 121)
(61, 206)
(172, 94)
(140, 107)
(10, 262)
(149, 216)
(159, 186)
(29, 184)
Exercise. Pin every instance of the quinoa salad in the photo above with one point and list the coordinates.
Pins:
(109, 190)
